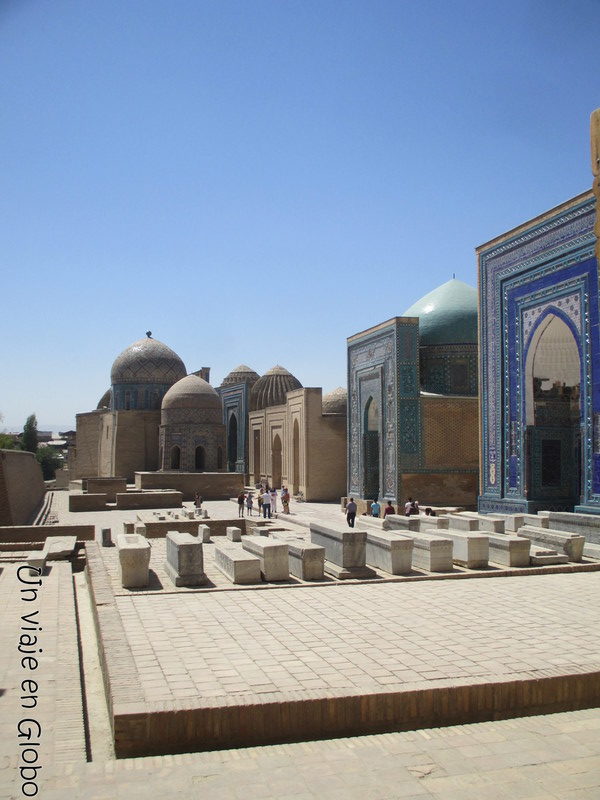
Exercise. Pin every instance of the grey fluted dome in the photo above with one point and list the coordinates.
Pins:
(271, 389)
(336, 402)
(241, 374)
(104, 401)
(147, 361)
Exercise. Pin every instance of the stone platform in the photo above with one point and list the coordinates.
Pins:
(233, 668)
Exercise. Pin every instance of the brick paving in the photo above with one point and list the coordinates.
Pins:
(59, 709)
(552, 757)
(361, 637)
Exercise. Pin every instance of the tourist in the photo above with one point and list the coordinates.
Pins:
(266, 504)
(273, 501)
(375, 509)
(389, 509)
(249, 504)
(351, 512)
(285, 501)
(429, 512)
(241, 498)
(198, 502)
(259, 500)
(408, 507)
(414, 507)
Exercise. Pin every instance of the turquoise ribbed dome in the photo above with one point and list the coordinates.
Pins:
(447, 315)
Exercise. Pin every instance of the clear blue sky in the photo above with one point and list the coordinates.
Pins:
(255, 181)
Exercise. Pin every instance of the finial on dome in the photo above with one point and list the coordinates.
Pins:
(149, 334)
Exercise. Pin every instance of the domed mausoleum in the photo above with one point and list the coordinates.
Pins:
(143, 373)
(448, 338)
(192, 434)
(412, 405)
(271, 389)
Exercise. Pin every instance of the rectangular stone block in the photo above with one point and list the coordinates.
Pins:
(204, 533)
(512, 522)
(140, 529)
(128, 500)
(469, 549)
(587, 525)
(398, 522)
(129, 527)
(571, 544)
(509, 550)
(485, 522)
(107, 537)
(36, 559)
(431, 551)
(60, 547)
(236, 563)
(343, 546)
(542, 556)
(273, 555)
(87, 502)
(185, 561)
(306, 560)
(389, 552)
(457, 522)
(234, 534)
(134, 559)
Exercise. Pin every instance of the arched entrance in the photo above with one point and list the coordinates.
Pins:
(296, 459)
(276, 462)
(175, 457)
(232, 442)
(553, 414)
(371, 450)
(199, 459)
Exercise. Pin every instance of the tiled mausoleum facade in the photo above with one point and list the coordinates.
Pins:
(412, 419)
(540, 370)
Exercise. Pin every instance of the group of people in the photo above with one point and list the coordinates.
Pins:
(410, 507)
(266, 500)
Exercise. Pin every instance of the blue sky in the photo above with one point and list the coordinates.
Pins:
(255, 181)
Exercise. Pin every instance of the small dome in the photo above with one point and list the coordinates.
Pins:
(104, 401)
(147, 361)
(336, 402)
(241, 374)
(447, 315)
(271, 389)
(191, 392)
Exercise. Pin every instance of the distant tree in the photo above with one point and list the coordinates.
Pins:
(29, 439)
(49, 460)
(8, 442)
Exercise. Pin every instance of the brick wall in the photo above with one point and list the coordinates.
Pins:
(87, 502)
(149, 500)
(22, 487)
(211, 485)
(37, 533)
(450, 432)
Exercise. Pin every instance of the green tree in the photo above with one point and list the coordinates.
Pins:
(49, 460)
(29, 440)
(8, 442)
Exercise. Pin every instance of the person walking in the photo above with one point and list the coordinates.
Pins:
(375, 509)
(249, 504)
(389, 509)
(241, 498)
(285, 501)
(273, 501)
(351, 512)
(266, 504)
(198, 502)
(259, 501)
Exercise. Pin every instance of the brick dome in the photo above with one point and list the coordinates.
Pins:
(271, 389)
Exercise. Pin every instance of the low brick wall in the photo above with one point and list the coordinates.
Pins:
(127, 500)
(211, 485)
(218, 527)
(87, 502)
(140, 731)
(37, 533)
(109, 486)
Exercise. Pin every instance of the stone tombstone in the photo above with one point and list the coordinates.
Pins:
(106, 537)
(345, 550)
(185, 562)
(204, 533)
(134, 559)
(234, 534)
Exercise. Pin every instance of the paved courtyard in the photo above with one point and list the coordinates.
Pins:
(361, 638)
